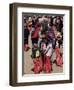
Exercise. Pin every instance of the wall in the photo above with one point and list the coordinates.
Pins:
(4, 45)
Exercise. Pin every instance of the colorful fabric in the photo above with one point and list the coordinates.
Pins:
(59, 59)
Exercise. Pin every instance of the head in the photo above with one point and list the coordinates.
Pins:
(58, 19)
(29, 25)
(54, 21)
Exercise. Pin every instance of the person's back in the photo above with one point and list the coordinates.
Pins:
(26, 34)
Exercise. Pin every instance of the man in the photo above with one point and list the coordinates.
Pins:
(27, 30)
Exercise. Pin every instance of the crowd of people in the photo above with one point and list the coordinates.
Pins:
(46, 35)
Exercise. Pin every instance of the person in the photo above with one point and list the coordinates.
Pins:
(59, 58)
(26, 35)
(27, 31)
(51, 36)
(37, 61)
(46, 49)
(44, 27)
(34, 37)
(34, 21)
(46, 52)
(59, 24)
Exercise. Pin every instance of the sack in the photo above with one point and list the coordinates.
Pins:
(47, 65)
(37, 66)
(59, 59)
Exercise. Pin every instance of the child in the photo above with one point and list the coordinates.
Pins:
(46, 50)
(37, 60)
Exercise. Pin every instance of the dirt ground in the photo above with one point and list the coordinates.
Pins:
(28, 64)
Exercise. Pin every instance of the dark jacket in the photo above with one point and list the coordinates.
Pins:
(26, 34)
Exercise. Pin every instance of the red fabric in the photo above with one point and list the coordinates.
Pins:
(59, 60)
(36, 33)
(37, 66)
(47, 64)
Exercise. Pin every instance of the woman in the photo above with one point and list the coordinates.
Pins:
(59, 58)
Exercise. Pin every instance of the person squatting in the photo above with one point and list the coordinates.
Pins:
(46, 34)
